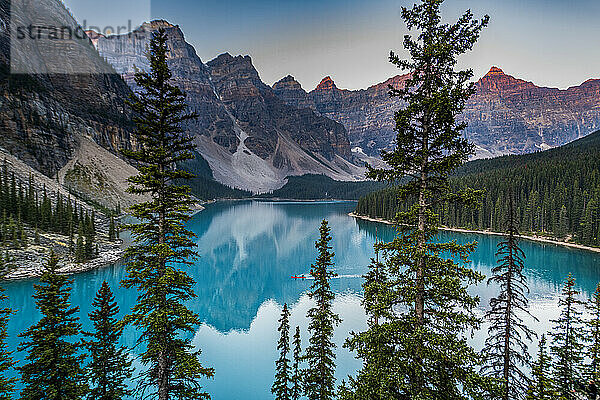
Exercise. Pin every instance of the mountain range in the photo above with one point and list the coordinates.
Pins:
(249, 135)
(506, 115)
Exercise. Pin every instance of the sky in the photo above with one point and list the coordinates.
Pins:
(552, 43)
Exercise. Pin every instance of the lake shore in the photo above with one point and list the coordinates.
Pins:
(539, 239)
(30, 263)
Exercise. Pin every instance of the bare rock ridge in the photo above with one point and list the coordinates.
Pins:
(263, 115)
(367, 114)
(248, 135)
(506, 115)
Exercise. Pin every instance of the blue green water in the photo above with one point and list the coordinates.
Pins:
(248, 251)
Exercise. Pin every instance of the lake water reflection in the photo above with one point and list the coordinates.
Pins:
(248, 252)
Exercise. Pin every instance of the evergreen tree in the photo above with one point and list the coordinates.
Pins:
(111, 229)
(22, 235)
(430, 311)
(296, 380)
(71, 243)
(7, 385)
(505, 352)
(161, 242)
(376, 378)
(53, 365)
(80, 250)
(541, 387)
(565, 179)
(109, 367)
(563, 223)
(318, 378)
(593, 336)
(281, 385)
(567, 338)
(89, 247)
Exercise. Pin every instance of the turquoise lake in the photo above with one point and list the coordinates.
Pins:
(248, 252)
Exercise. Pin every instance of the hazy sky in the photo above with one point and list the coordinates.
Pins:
(550, 42)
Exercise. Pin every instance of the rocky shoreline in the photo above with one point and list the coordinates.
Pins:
(539, 239)
(29, 263)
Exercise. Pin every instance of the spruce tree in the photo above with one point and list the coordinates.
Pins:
(541, 386)
(53, 366)
(161, 243)
(89, 247)
(567, 342)
(281, 385)
(318, 378)
(71, 243)
(375, 380)
(80, 250)
(109, 367)
(7, 385)
(430, 309)
(505, 352)
(111, 229)
(296, 381)
(22, 235)
(593, 336)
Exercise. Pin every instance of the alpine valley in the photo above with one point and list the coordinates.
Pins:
(175, 226)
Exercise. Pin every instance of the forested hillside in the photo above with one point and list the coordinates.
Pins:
(557, 193)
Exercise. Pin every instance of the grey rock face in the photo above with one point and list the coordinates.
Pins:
(42, 116)
(263, 115)
(250, 137)
(367, 114)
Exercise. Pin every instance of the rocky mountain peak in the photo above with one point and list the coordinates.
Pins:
(238, 67)
(248, 136)
(288, 82)
(507, 115)
(94, 36)
(497, 81)
(239, 62)
(289, 90)
(326, 84)
(156, 24)
(494, 71)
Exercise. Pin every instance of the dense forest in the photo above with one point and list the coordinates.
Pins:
(557, 193)
(23, 210)
(311, 186)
